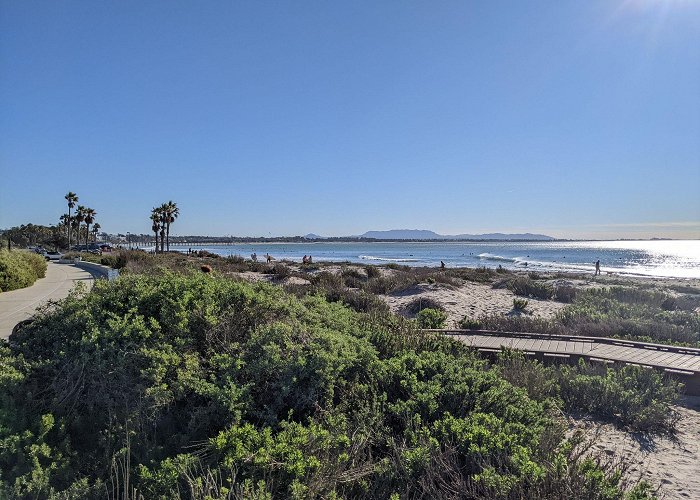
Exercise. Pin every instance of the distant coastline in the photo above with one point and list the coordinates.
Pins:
(184, 240)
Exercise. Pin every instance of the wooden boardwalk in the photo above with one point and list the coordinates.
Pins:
(681, 362)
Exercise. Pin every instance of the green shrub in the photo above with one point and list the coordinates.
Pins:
(565, 293)
(630, 313)
(419, 303)
(471, 323)
(279, 269)
(372, 272)
(632, 396)
(36, 262)
(527, 287)
(431, 318)
(519, 304)
(352, 277)
(20, 269)
(186, 384)
(116, 260)
(518, 323)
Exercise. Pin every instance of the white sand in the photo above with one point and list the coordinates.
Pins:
(673, 463)
(470, 299)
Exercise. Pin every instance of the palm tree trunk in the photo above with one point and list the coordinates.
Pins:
(69, 223)
(87, 234)
(167, 234)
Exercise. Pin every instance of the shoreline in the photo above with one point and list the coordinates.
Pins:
(429, 255)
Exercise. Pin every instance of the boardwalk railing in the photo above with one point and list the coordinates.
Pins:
(574, 338)
(679, 362)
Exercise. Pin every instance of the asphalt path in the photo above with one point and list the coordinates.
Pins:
(18, 305)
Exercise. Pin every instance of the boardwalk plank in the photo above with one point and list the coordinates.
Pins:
(530, 344)
(614, 352)
(676, 360)
(665, 359)
(687, 362)
(696, 363)
(657, 360)
(647, 354)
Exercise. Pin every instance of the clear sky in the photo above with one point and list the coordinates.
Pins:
(570, 118)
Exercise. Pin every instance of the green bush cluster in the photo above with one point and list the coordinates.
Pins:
(431, 318)
(614, 312)
(332, 287)
(528, 287)
(635, 397)
(520, 304)
(20, 269)
(632, 313)
(196, 386)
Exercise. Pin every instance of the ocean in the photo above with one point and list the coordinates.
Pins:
(656, 258)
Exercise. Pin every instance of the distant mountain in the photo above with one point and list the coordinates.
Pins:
(403, 234)
(312, 236)
(424, 234)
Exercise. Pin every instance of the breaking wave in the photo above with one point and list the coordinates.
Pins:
(385, 259)
(497, 258)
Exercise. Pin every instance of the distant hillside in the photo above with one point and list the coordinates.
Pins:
(424, 234)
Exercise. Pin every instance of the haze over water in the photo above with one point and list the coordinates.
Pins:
(665, 258)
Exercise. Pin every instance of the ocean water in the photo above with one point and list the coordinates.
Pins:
(658, 258)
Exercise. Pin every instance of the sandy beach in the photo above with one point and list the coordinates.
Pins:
(670, 462)
(473, 300)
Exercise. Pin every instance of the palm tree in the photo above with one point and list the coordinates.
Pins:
(72, 199)
(89, 219)
(163, 211)
(155, 227)
(171, 213)
(64, 221)
(79, 218)
(95, 229)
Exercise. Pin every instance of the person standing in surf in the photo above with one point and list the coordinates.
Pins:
(597, 267)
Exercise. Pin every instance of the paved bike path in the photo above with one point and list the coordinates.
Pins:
(18, 305)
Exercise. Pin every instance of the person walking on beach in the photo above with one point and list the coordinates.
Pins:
(254, 257)
(442, 265)
(305, 260)
(268, 257)
(597, 267)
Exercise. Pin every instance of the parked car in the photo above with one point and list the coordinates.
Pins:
(52, 255)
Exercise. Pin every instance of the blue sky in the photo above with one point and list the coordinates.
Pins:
(575, 119)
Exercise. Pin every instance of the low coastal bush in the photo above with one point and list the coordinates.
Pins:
(352, 277)
(477, 274)
(614, 312)
(564, 293)
(419, 303)
(373, 272)
(634, 397)
(519, 304)
(20, 269)
(471, 323)
(631, 313)
(431, 318)
(527, 287)
(194, 386)
(516, 323)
